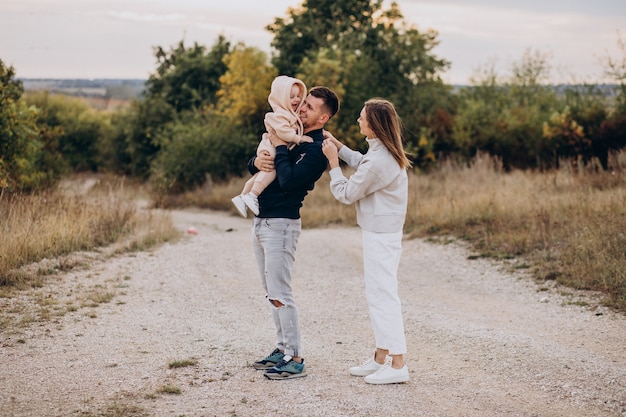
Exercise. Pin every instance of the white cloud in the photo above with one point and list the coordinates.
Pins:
(99, 38)
(145, 17)
(472, 35)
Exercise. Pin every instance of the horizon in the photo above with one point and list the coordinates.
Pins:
(607, 84)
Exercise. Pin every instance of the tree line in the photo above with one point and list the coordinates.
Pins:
(201, 113)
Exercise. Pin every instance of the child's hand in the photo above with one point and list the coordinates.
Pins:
(307, 139)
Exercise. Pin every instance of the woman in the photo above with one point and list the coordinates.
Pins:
(379, 187)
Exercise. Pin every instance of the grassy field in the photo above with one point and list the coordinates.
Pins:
(566, 226)
(569, 225)
(59, 222)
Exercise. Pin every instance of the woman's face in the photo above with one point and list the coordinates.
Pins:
(365, 127)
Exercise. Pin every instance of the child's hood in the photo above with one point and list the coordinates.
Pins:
(281, 90)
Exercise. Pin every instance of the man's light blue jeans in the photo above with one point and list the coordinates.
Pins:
(274, 241)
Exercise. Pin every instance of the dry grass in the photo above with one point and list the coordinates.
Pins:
(567, 225)
(183, 363)
(210, 196)
(570, 224)
(321, 209)
(86, 220)
(57, 223)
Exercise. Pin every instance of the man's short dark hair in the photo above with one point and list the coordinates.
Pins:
(331, 101)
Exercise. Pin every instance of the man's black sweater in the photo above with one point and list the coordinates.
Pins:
(296, 172)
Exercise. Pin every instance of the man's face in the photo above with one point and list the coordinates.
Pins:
(311, 113)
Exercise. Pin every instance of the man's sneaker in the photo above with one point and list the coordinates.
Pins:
(240, 205)
(286, 369)
(366, 368)
(388, 375)
(269, 361)
(252, 202)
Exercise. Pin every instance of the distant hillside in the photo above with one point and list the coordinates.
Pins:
(116, 89)
(128, 89)
(607, 90)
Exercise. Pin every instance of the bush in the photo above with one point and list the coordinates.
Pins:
(80, 127)
(194, 150)
(28, 158)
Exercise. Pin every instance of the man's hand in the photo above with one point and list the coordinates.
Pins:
(274, 139)
(264, 162)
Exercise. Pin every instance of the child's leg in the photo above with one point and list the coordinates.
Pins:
(262, 180)
(248, 185)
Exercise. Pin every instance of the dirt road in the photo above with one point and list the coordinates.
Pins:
(482, 341)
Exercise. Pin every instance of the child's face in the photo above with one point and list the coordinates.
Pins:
(295, 97)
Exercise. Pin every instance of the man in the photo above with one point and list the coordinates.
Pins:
(277, 227)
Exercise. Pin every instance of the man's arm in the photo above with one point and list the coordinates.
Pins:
(252, 169)
(262, 162)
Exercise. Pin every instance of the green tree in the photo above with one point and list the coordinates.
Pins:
(364, 51)
(568, 136)
(186, 80)
(244, 87)
(612, 131)
(505, 116)
(588, 106)
(28, 158)
(615, 70)
(80, 127)
(328, 67)
(146, 120)
(199, 146)
(113, 148)
(318, 24)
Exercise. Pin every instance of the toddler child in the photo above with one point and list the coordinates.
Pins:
(286, 97)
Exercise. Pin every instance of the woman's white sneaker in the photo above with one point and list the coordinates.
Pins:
(366, 368)
(388, 375)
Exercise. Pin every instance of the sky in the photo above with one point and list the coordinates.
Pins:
(115, 38)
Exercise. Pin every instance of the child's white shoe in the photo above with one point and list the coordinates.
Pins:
(252, 202)
(240, 205)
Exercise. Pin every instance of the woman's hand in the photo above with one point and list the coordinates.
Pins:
(264, 162)
(330, 151)
(330, 137)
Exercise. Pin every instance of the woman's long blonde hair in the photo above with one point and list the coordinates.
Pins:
(384, 121)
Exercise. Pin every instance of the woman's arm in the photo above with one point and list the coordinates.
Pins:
(350, 157)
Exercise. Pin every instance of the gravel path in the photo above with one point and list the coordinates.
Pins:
(482, 341)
